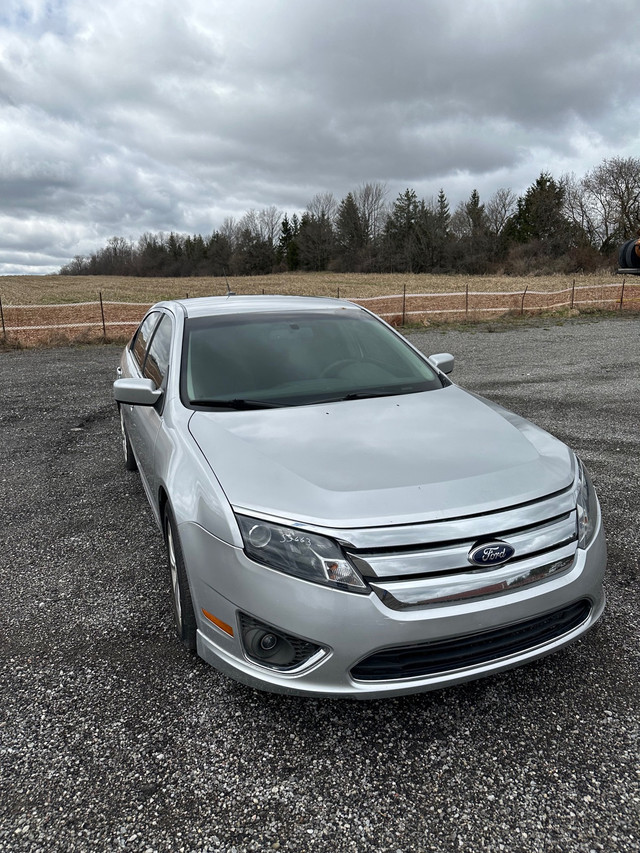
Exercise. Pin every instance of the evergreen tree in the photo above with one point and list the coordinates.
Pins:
(252, 255)
(442, 234)
(315, 241)
(540, 217)
(400, 232)
(219, 251)
(475, 215)
(287, 250)
(473, 244)
(350, 233)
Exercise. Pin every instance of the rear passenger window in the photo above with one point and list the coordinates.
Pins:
(143, 336)
(156, 364)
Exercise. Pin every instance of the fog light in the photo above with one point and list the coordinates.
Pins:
(267, 647)
(275, 649)
(268, 642)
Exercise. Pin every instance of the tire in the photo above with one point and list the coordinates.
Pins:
(632, 259)
(622, 256)
(129, 459)
(183, 614)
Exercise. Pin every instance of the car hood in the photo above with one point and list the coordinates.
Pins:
(393, 460)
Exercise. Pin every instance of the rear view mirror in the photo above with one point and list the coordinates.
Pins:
(136, 392)
(443, 361)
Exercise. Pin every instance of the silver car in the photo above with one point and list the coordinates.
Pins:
(340, 518)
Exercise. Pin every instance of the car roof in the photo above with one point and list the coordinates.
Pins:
(233, 304)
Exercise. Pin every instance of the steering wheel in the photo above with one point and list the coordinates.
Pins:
(336, 367)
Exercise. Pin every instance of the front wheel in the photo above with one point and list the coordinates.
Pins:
(183, 614)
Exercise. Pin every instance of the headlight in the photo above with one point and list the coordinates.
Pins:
(296, 552)
(587, 505)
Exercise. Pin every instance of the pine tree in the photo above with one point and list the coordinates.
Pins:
(400, 232)
(350, 233)
(539, 215)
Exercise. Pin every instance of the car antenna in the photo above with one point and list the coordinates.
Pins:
(229, 291)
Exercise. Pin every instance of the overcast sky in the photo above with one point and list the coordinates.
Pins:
(124, 116)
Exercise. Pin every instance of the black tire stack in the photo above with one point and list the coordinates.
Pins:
(629, 255)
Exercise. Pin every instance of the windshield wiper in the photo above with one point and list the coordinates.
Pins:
(237, 403)
(365, 395)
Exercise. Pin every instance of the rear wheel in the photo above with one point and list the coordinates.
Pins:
(129, 459)
(183, 613)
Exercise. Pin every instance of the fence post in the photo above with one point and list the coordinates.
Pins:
(404, 302)
(573, 293)
(522, 303)
(621, 295)
(104, 325)
(4, 331)
(466, 303)
(338, 291)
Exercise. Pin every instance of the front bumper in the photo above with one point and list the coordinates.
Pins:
(350, 628)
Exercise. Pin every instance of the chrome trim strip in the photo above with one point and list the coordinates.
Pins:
(315, 658)
(452, 558)
(400, 595)
(467, 528)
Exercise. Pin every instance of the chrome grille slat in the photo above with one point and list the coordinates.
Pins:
(400, 595)
(453, 558)
(468, 528)
(437, 571)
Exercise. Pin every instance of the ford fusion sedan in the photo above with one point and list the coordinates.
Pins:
(340, 518)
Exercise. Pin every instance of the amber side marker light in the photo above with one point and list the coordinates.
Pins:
(218, 623)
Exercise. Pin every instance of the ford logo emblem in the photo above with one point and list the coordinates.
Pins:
(491, 554)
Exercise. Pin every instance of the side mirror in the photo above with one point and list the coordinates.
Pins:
(443, 361)
(136, 392)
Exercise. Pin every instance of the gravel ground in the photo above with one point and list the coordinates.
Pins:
(112, 738)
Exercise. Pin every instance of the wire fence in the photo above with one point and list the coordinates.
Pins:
(27, 325)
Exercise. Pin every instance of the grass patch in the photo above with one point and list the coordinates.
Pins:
(512, 320)
(57, 289)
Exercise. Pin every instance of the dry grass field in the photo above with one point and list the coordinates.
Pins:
(53, 310)
(56, 289)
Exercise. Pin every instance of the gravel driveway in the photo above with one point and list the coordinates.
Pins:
(112, 738)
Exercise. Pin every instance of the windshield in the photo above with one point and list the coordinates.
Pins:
(273, 359)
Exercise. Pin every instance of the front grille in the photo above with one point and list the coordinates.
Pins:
(445, 559)
(470, 650)
(428, 565)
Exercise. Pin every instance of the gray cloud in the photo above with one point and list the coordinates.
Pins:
(122, 118)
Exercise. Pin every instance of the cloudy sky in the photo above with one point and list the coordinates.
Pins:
(124, 116)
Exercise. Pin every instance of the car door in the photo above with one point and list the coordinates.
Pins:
(144, 422)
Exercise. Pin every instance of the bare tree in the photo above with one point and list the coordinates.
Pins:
(612, 197)
(323, 206)
(592, 213)
(249, 222)
(499, 209)
(370, 200)
(230, 229)
(269, 219)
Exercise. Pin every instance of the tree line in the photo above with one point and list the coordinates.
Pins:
(560, 225)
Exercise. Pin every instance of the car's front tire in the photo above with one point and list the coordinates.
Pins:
(183, 613)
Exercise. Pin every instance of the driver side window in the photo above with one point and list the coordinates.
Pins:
(142, 338)
(156, 363)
